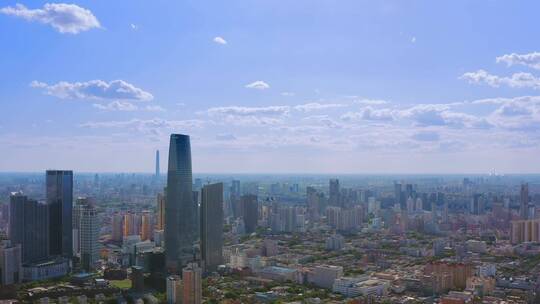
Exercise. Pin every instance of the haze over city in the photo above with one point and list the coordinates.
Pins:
(271, 87)
(273, 152)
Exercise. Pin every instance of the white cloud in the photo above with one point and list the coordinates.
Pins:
(531, 60)
(413, 39)
(94, 89)
(517, 80)
(156, 127)
(371, 102)
(116, 106)
(249, 111)
(288, 94)
(65, 18)
(315, 106)
(258, 85)
(368, 113)
(220, 40)
(440, 115)
(134, 26)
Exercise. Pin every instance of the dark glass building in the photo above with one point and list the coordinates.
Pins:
(60, 200)
(251, 212)
(212, 226)
(181, 212)
(29, 227)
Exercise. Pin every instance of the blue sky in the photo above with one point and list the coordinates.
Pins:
(272, 86)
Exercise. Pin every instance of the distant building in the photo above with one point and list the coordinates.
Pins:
(10, 263)
(192, 284)
(160, 225)
(324, 275)
(251, 212)
(523, 231)
(212, 226)
(270, 247)
(117, 227)
(335, 242)
(147, 226)
(46, 270)
(361, 286)
(524, 201)
(334, 193)
(59, 191)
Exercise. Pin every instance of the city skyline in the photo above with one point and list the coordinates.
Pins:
(310, 87)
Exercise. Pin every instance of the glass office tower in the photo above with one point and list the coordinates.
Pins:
(181, 228)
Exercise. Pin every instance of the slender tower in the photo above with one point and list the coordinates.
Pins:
(157, 164)
(181, 229)
(60, 201)
(524, 201)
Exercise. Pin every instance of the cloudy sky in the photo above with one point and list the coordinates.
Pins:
(306, 86)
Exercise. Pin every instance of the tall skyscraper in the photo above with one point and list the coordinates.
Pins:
(191, 279)
(251, 212)
(524, 201)
(60, 200)
(89, 234)
(212, 226)
(333, 199)
(157, 164)
(29, 227)
(181, 228)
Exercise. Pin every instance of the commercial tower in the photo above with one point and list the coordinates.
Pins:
(181, 228)
(60, 200)
(212, 226)
(157, 164)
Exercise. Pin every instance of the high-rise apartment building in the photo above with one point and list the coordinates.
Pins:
(59, 184)
(251, 212)
(212, 226)
(524, 231)
(147, 226)
(182, 228)
(29, 227)
(174, 289)
(89, 234)
(192, 284)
